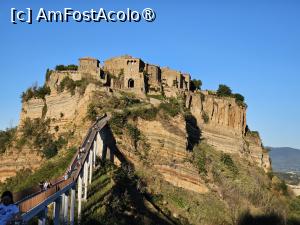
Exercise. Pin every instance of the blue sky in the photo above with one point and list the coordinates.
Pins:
(252, 46)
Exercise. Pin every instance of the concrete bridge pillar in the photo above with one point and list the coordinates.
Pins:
(56, 211)
(85, 179)
(43, 216)
(72, 206)
(91, 166)
(66, 208)
(94, 153)
(79, 195)
(99, 145)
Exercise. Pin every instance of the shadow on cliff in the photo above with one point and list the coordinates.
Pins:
(271, 219)
(193, 131)
(129, 202)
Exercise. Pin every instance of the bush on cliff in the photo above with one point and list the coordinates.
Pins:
(68, 67)
(171, 108)
(6, 138)
(35, 92)
(35, 133)
(224, 90)
(109, 104)
(196, 84)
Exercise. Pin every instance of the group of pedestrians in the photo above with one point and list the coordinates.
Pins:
(10, 213)
(44, 185)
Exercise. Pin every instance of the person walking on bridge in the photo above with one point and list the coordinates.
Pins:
(8, 210)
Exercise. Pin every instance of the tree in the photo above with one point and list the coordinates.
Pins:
(224, 90)
(239, 97)
(196, 84)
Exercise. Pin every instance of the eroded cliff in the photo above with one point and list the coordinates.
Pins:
(222, 121)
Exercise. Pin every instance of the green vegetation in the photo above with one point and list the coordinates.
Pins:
(294, 211)
(48, 74)
(35, 92)
(279, 186)
(225, 91)
(35, 133)
(6, 138)
(205, 117)
(171, 108)
(69, 84)
(144, 113)
(134, 133)
(199, 157)
(158, 97)
(228, 162)
(68, 67)
(110, 103)
(242, 185)
(49, 170)
(118, 201)
(196, 84)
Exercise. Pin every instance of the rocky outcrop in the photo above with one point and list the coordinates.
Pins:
(223, 124)
(67, 113)
(168, 152)
(256, 150)
(14, 160)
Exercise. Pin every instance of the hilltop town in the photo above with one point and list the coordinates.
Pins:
(181, 140)
(130, 74)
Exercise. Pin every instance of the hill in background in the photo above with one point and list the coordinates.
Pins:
(285, 159)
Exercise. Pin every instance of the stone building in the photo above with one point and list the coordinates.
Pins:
(90, 67)
(130, 74)
(133, 74)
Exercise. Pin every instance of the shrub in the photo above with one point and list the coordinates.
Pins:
(196, 85)
(35, 92)
(128, 100)
(172, 108)
(224, 90)
(158, 97)
(6, 138)
(205, 117)
(228, 162)
(68, 67)
(200, 158)
(36, 132)
(239, 97)
(134, 134)
(202, 163)
(109, 103)
(69, 84)
(145, 113)
(117, 122)
(279, 185)
(48, 74)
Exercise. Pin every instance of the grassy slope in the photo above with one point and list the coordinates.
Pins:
(113, 198)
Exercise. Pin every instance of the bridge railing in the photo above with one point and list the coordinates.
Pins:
(29, 200)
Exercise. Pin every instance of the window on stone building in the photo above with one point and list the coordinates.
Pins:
(130, 83)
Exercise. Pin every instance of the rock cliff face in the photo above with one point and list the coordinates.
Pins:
(223, 124)
(168, 154)
(14, 160)
(67, 113)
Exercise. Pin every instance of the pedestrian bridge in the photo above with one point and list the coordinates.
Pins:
(66, 192)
